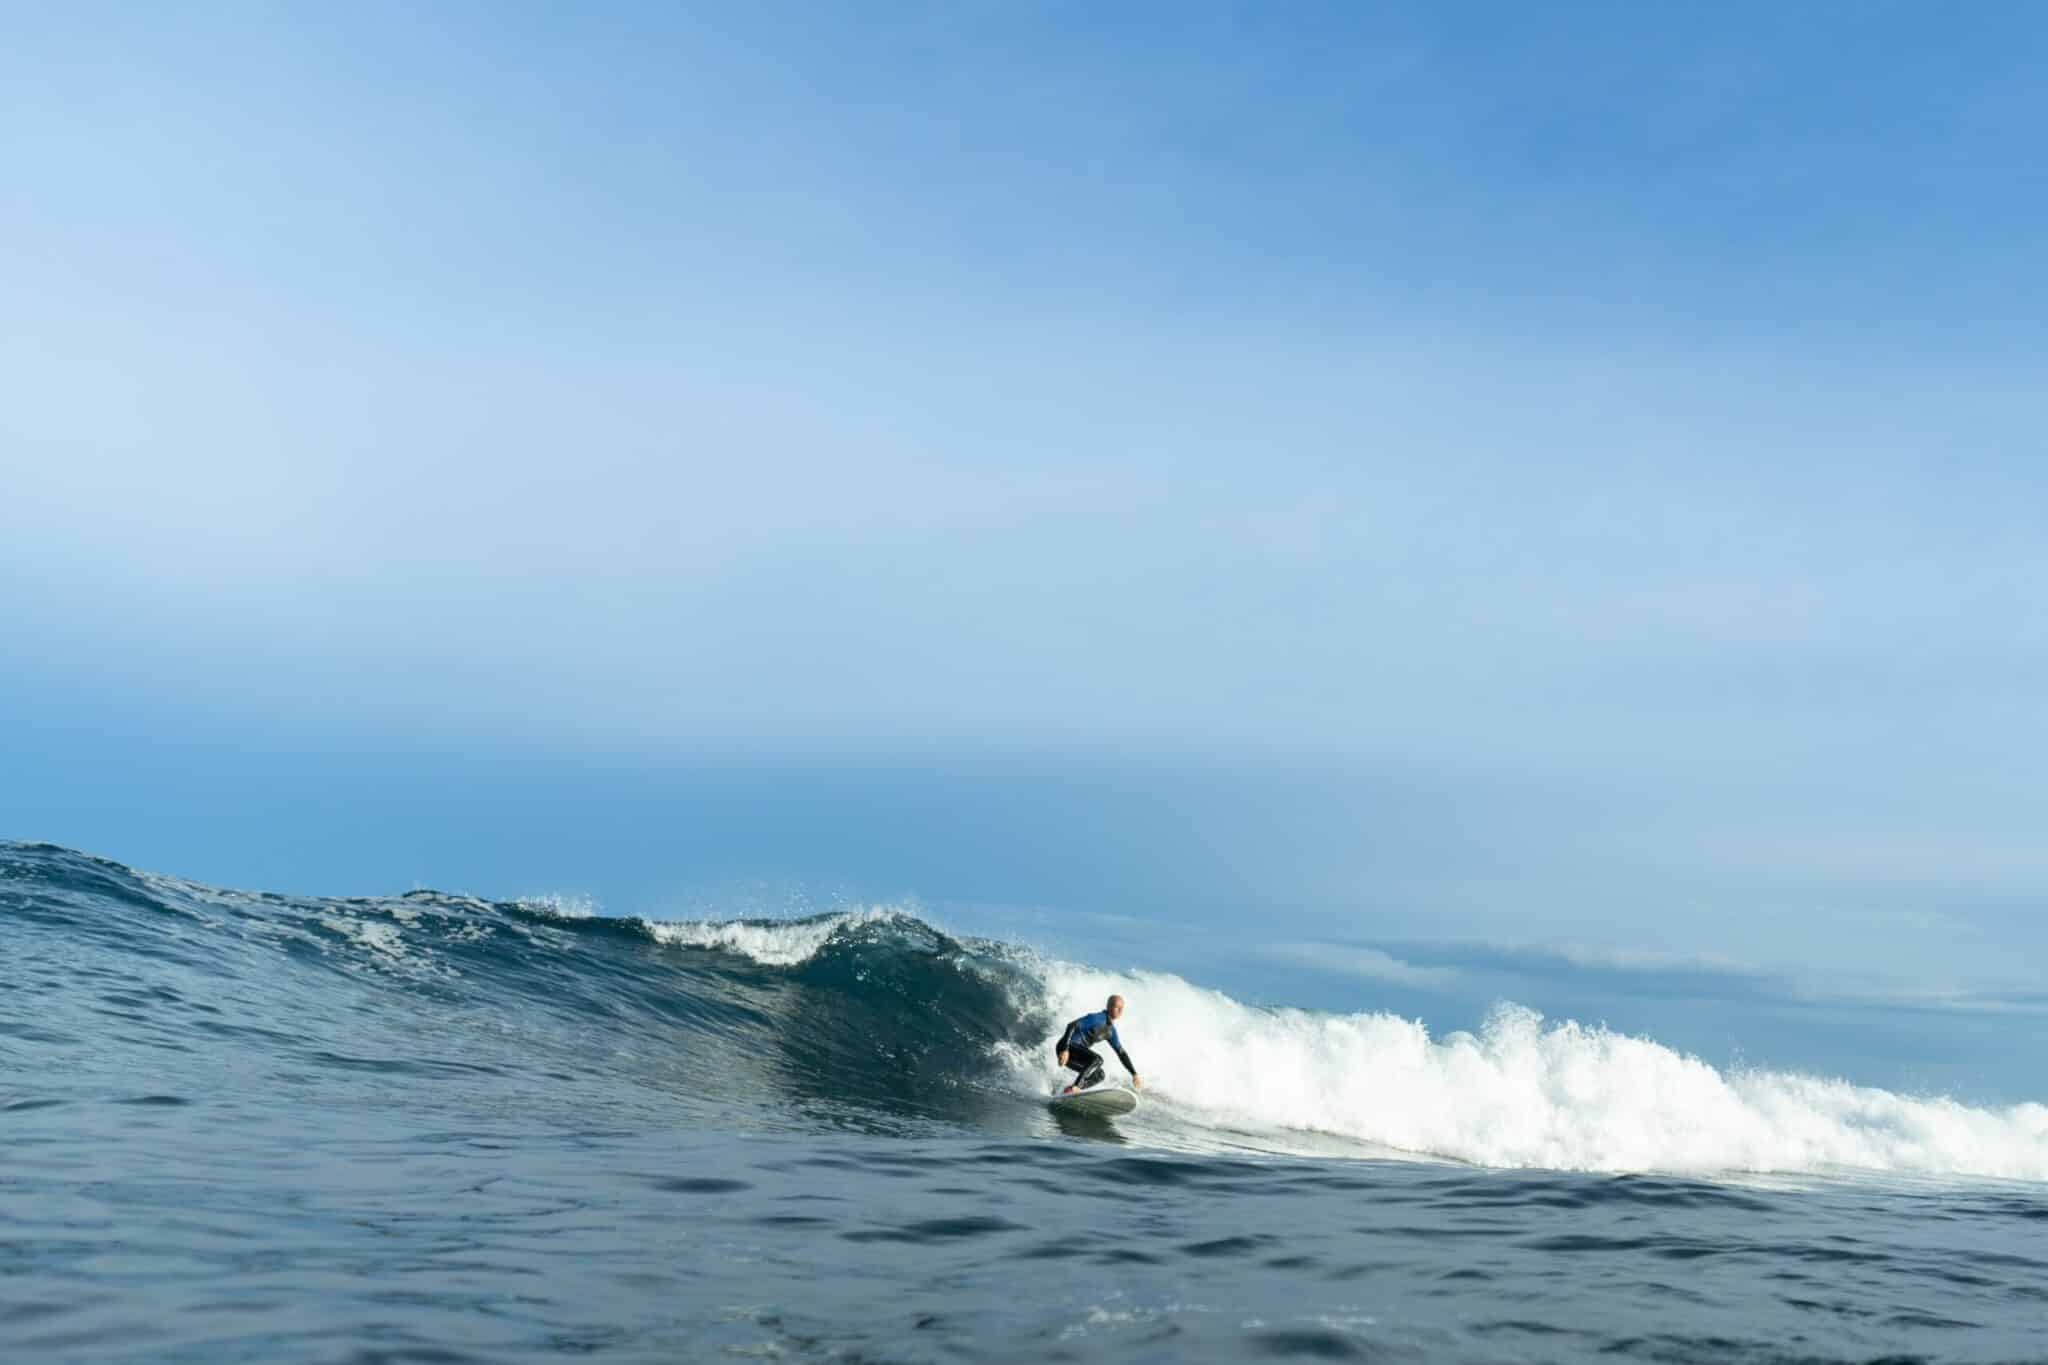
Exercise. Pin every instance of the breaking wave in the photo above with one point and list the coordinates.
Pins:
(874, 1016)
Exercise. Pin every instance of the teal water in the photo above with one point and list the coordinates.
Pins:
(242, 1126)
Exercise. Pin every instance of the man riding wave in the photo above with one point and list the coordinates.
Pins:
(1075, 1051)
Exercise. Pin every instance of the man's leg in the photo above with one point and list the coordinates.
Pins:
(1085, 1064)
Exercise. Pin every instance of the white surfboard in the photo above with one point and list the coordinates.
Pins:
(1103, 1099)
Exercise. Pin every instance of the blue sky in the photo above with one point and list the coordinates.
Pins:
(1459, 481)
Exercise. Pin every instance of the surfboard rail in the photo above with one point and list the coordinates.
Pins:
(1101, 1099)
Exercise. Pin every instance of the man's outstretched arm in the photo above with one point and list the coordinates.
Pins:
(1125, 1058)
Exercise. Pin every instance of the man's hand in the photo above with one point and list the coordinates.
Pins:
(1062, 1055)
(1136, 1084)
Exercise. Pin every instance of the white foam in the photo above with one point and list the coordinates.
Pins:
(382, 942)
(770, 943)
(560, 906)
(1523, 1092)
(382, 939)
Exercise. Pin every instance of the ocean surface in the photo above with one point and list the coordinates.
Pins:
(239, 1126)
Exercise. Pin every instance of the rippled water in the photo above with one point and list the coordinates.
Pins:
(241, 1127)
(168, 1232)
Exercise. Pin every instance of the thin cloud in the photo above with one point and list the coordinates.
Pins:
(1369, 963)
(1641, 972)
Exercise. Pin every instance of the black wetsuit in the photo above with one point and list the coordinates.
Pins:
(1075, 1040)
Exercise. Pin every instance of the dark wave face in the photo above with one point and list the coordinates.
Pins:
(245, 1126)
(882, 1020)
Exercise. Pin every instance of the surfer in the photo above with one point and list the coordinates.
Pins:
(1075, 1052)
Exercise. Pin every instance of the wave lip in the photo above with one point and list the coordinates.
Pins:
(772, 943)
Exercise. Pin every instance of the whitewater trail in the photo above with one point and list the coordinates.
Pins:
(1521, 1092)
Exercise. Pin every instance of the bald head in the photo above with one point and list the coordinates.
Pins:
(1116, 1006)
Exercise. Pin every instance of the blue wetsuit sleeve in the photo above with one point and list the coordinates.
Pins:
(1121, 1055)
